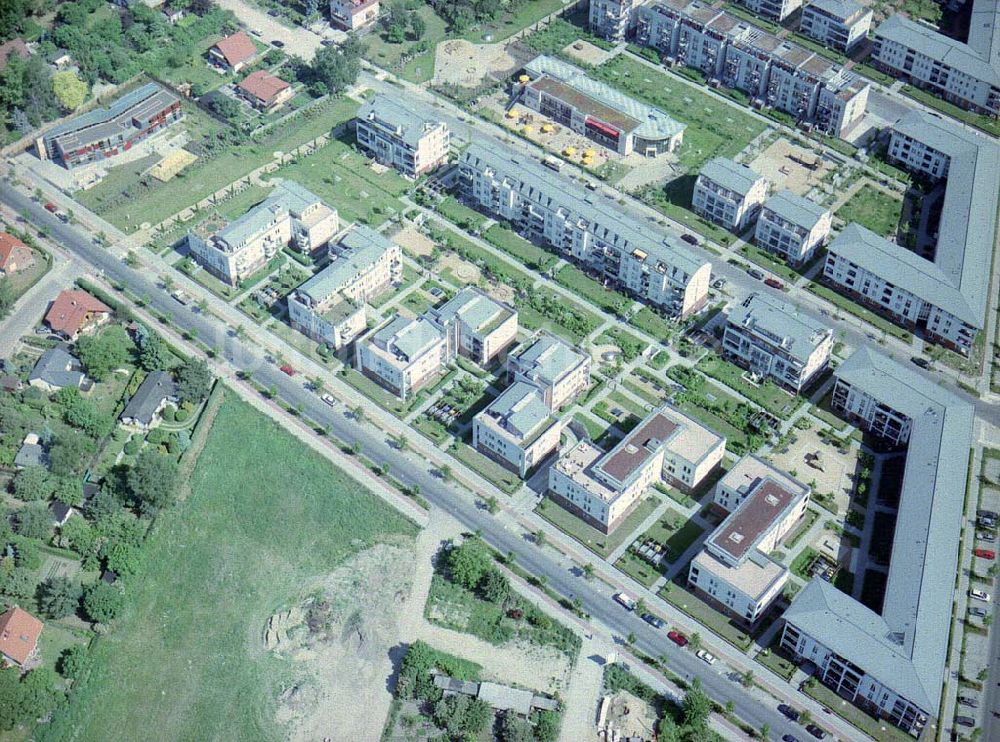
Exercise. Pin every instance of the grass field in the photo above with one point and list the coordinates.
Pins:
(509, 24)
(600, 543)
(514, 244)
(874, 209)
(611, 301)
(406, 59)
(266, 517)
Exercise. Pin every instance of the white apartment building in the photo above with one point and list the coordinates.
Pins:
(612, 19)
(966, 74)
(399, 137)
(776, 10)
(603, 488)
(558, 371)
(403, 355)
(587, 227)
(728, 194)
(792, 226)
(354, 15)
(733, 570)
(290, 215)
(330, 306)
(838, 24)
(517, 429)
(774, 341)
(475, 325)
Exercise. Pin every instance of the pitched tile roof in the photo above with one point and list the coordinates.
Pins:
(19, 632)
(70, 310)
(237, 48)
(10, 246)
(262, 85)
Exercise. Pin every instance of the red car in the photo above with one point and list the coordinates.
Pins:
(286, 369)
(774, 283)
(51, 207)
(985, 553)
(677, 638)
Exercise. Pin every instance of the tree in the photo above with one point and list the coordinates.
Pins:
(194, 381)
(152, 355)
(34, 521)
(152, 480)
(33, 483)
(20, 584)
(469, 562)
(695, 641)
(102, 353)
(10, 695)
(515, 729)
(494, 587)
(631, 638)
(225, 107)
(59, 597)
(69, 89)
(122, 557)
(68, 492)
(588, 571)
(7, 297)
(337, 68)
(696, 707)
(462, 716)
(492, 504)
(70, 453)
(72, 661)
(417, 27)
(102, 602)
(546, 726)
(539, 537)
(746, 679)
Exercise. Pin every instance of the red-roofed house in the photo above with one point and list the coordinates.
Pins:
(14, 46)
(14, 255)
(19, 632)
(264, 91)
(74, 312)
(233, 53)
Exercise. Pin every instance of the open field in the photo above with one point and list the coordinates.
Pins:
(266, 522)
(874, 209)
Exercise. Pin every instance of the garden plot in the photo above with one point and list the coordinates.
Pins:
(837, 469)
(462, 63)
(790, 166)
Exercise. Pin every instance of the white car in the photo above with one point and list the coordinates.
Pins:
(980, 595)
(706, 657)
(329, 400)
(625, 600)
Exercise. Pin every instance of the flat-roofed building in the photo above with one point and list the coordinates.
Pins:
(476, 325)
(728, 194)
(733, 569)
(596, 110)
(403, 355)
(587, 227)
(558, 371)
(603, 488)
(398, 136)
(354, 15)
(775, 341)
(792, 226)
(330, 306)
(106, 132)
(838, 24)
(776, 10)
(313, 223)
(612, 19)
(517, 430)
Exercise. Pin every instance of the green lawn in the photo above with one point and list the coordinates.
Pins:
(674, 201)
(705, 614)
(514, 244)
(651, 323)
(599, 543)
(413, 60)
(880, 730)
(455, 211)
(767, 394)
(505, 479)
(638, 569)
(509, 24)
(611, 301)
(266, 517)
(676, 539)
(987, 124)
(857, 310)
(874, 209)
(770, 262)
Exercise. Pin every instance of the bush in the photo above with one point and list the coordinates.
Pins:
(133, 446)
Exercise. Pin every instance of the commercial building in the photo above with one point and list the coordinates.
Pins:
(775, 73)
(558, 371)
(891, 662)
(596, 110)
(290, 215)
(838, 24)
(399, 137)
(517, 429)
(105, 132)
(728, 194)
(774, 341)
(475, 325)
(330, 306)
(612, 19)
(75, 312)
(403, 355)
(587, 227)
(792, 226)
(776, 10)
(264, 91)
(966, 74)
(733, 570)
(603, 488)
(354, 15)
(233, 53)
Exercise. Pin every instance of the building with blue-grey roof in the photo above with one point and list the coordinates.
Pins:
(728, 193)
(330, 306)
(587, 227)
(771, 339)
(891, 661)
(792, 226)
(476, 325)
(517, 429)
(403, 355)
(566, 94)
(838, 24)
(559, 371)
(399, 136)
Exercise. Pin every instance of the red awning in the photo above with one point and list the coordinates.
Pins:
(605, 129)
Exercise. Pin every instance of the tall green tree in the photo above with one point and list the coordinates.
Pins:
(194, 381)
(152, 480)
(59, 597)
(102, 353)
(102, 602)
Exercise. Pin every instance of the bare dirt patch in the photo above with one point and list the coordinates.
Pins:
(464, 272)
(501, 292)
(412, 241)
(837, 468)
(587, 53)
(793, 167)
(624, 716)
(467, 65)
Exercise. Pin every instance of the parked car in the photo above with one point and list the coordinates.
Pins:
(980, 595)
(655, 621)
(985, 554)
(815, 731)
(787, 711)
(754, 273)
(977, 612)
(181, 297)
(719, 283)
(969, 701)
(774, 283)
(677, 638)
(965, 721)
(689, 238)
(329, 400)
(278, 44)
(706, 657)
(921, 362)
(991, 514)
(987, 537)
(51, 207)
(789, 738)
(625, 600)
(286, 369)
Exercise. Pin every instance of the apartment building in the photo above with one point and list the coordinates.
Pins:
(558, 371)
(596, 110)
(586, 227)
(330, 306)
(475, 325)
(403, 355)
(733, 570)
(792, 226)
(776, 10)
(612, 19)
(891, 663)
(290, 215)
(518, 429)
(603, 488)
(838, 24)
(966, 74)
(771, 339)
(397, 136)
(728, 194)
(354, 15)
(736, 54)
(105, 132)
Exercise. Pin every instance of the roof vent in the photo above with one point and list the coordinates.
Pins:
(897, 637)
(736, 537)
(631, 450)
(771, 500)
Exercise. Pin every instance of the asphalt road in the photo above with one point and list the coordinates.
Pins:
(594, 596)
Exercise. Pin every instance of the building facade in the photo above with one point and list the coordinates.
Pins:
(475, 325)
(558, 371)
(611, 19)
(776, 10)
(517, 429)
(838, 24)
(728, 194)
(403, 355)
(792, 226)
(397, 136)
(354, 15)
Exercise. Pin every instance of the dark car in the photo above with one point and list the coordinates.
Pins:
(677, 638)
(965, 721)
(918, 361)
(789, 738)
(278, 44)
(689, 238)
(815, 731)
(754, 273)
(655, 621)
(788, 711)
(273, 13)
